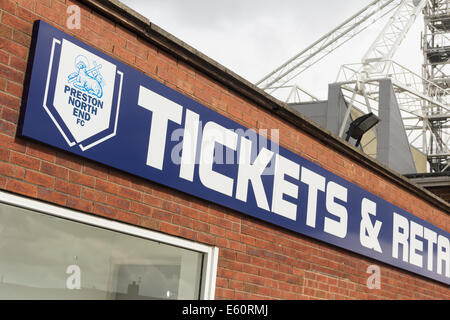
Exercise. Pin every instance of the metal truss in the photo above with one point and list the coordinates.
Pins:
(328, 43)
(436, 69)
(390, 38)
(424, 100)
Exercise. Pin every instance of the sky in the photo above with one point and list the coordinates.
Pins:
(254, 37)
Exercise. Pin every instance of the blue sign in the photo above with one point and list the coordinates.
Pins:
(85, 102)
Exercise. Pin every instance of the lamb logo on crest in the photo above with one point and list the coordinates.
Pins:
(87, 79)
(86, 95)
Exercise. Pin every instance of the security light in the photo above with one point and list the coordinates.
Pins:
(360, 126)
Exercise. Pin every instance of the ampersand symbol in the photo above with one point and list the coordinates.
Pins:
(369, 232)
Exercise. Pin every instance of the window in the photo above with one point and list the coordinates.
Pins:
(48, 252)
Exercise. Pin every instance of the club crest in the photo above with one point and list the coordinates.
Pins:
(86, 94)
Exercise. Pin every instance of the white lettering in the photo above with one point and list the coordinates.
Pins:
(415, 244)
(431, 237)
(163, 110)
(400, 236)
(315, 182)
(213, 133)
(368, 233)
(252, 172)
(337, 228)
(443, 255)
(190, 137)
(280, 206)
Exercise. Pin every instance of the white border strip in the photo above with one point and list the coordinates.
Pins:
(211, 253)
(44, 104)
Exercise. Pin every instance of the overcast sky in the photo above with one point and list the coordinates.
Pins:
(253, 37)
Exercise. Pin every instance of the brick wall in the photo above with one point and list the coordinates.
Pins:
(256, 260)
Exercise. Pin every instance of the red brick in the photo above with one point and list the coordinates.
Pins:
(141, 209)
(162, 215)
(25, 161)
(8, 5)
(79, 204)
(161, 192)
(68, 161)
(125, 33)
(7, 128)
(226, 294)
(169, 228)
(21, 187)
(145, 66)
(11, 170)
(152, 201)
(26, 14)
(22, 38)
(100, 42)
(95, 28)
(149, 223)
(5, 32)
(2, 81)
(39, 179)
(54, 170)
(127, 217)
(206, 238)
(196, 204)
(188, 234)
(119, 178)
(124, 54)
(19, 64)
(107, 25)
(85, 11)
(94, 195)
(106, 186)
(167, 73)
(182, 221)
(4, 154)
(83, 179)
(9, 100)
(105, 211)
(138, 50)
(10, 115)
(118, 202)
(141, 185)
(40, 151)
(12, 143)
(95, 170)
(217, 231)
(14, 48)
(67, 187)
(130, 193)
(28, 4)
(3, 182)
(52, 196)
(59, 7)
(52, 15)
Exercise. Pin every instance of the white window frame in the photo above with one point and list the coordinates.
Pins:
(211, 253)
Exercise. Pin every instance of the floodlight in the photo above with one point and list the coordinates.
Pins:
(360, 126)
